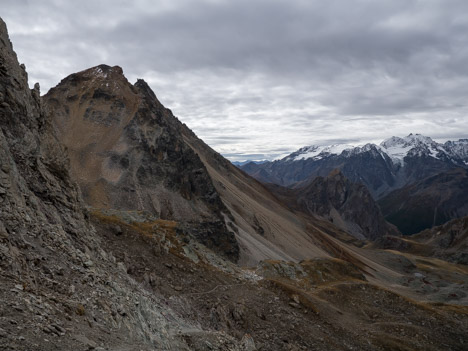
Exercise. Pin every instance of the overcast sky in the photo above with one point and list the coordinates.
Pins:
(258, 79)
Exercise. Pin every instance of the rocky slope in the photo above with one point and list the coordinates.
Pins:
(448, 241)
(258, 307)
(347, 205)
(428, 202)
(381, 168)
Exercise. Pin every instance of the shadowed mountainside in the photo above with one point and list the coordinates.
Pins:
(448, 241)
(349, 206)
(429, 202)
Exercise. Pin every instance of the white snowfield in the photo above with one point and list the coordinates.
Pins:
(395, 148)
(318, 152)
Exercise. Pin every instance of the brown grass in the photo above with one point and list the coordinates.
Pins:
(80, 310)
(291, 290)
(392, 343)
(153, 230)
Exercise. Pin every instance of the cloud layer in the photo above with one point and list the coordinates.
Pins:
(260, 78)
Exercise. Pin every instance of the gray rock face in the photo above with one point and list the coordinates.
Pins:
(353, 203)
(39, 202)
(127, 153)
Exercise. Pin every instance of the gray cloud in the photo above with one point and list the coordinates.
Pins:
(267, 77)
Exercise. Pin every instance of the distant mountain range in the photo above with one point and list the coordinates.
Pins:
(418, 182)
(241, 163)
(394, 163)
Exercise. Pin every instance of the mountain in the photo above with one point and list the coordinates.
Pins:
(239, 163)
(382, 168)
(73, 278)
(448, 242)
(428, 202)
(60, 286)
(347, 205)
(128, 152)
(77, 277)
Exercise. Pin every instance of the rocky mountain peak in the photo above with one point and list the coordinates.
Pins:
(127, 152)
(143, 86)
(458, 148)
(347, 205)
(145, 90)
(413, 144)
(96, 76)
(104, 71)
(410, 140)
(418, 139)
(394, 140)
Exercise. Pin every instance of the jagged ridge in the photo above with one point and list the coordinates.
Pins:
(382, 168)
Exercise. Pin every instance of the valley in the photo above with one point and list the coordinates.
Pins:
(121, 230)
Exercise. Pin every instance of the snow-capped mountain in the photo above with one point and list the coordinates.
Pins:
(318, 152)
(392, 164)
(458, 148)
(395, 147)
(418, 145)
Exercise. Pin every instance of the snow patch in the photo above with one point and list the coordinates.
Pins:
(398, 148)
(397, 153)
(319, 152)
(98, 72)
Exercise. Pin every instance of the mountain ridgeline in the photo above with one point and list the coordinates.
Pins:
(417, 182)
(382, 168)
